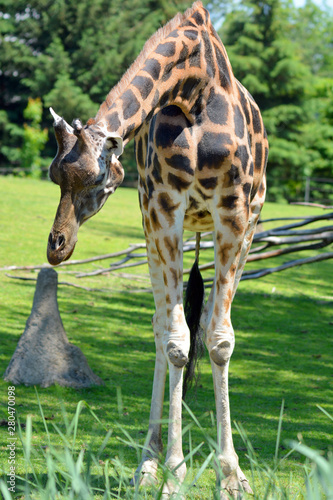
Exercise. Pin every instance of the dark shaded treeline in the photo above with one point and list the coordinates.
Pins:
(69, 55)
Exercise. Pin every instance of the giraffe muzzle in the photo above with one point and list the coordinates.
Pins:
(58, 249)
(57, 242)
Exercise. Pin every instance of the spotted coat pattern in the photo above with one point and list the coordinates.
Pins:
(201, 152)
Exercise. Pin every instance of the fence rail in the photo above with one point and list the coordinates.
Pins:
(282, 240)
(317, 185)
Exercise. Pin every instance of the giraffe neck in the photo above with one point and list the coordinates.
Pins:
(175, 67)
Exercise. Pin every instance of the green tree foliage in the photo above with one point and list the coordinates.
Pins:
(312, 28)
(30, 140)
(34, 138)
(265, 42)
(70, 54)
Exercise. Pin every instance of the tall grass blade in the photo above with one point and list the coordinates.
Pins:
(107, 495)
(190, 448)
(75, 422)
(202, 468)
(278, 437)
(314, 456)
(43, 418)
(189, 455)
(51, 487)
(120, 403)
(194, 418)
(4, 490)
(28, 433)
(325, 412)
(104, 443)
(251, 453)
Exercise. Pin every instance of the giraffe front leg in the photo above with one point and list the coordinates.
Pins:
(175, 457)
(176, 339)
(176, 344)
(230, 479)
(146, 472)
(220, 342)
(234, 480)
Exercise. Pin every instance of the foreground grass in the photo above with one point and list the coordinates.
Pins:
(283, 325)
(71, 473)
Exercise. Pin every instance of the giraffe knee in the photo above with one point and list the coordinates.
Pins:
(176, 355)
(220, 343)
(228, 463)
(221, 353)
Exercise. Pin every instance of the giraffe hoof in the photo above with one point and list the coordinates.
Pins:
(234, 486)
(221, 353)
(173, 495)
(146, 473)
(175, 476)
(176, 355)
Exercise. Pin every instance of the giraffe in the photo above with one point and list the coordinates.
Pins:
(201, 151)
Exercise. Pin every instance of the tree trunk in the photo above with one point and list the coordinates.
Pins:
(44, 355)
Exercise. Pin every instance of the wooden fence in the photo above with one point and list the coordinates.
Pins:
(293, 237)
(318, 190)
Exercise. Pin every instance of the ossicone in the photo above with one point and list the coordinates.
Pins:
(60, 124)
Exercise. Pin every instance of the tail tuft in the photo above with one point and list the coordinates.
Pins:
(194, 298)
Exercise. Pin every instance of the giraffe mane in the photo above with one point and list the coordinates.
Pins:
(148, 48)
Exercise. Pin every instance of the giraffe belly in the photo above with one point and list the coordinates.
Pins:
(201, 221)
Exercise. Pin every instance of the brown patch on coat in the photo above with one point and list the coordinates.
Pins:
(175, 276)
(159, 251)
(234, 223)
(226, 323)
(227, 300)
(145, 202)
(172, 246)
(154, 219)
(147, 225)
(221, 282)
(168, 207)
(224, 253)
(219, 237)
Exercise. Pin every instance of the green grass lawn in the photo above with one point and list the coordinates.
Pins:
(284, 342)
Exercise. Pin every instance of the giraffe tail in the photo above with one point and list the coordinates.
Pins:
(193, 303)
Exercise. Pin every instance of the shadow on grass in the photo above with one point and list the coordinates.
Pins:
(106, 229)
(283, 352)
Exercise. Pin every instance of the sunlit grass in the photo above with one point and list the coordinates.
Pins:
(284, 344)
(69, 469)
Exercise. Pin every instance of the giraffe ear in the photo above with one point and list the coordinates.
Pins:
(114, 144)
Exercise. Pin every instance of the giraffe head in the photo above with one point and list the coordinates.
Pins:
(87, 170)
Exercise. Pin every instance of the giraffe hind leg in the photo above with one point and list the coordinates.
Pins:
(255, 209)
(220, 340)
(234, 481)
